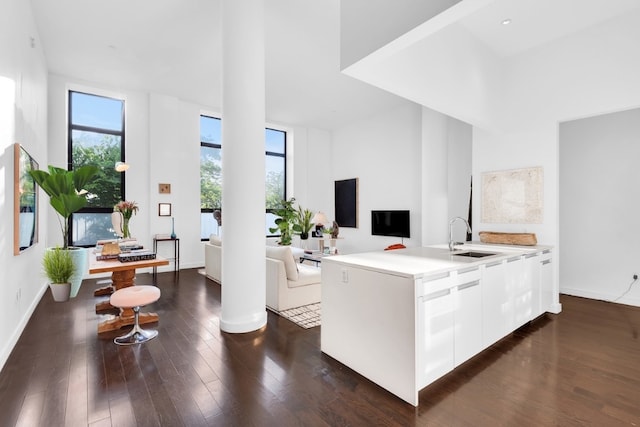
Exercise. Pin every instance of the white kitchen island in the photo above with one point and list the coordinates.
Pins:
(405, 318)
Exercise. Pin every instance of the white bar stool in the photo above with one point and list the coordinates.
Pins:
(135, 297)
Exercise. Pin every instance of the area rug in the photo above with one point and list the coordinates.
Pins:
(307, 316)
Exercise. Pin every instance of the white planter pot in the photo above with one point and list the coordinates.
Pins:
(60, 291)
(81, 261)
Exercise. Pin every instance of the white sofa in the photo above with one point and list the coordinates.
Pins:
(289, 283)
(213, 258)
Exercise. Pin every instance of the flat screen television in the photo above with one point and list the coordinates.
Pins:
(390, 223)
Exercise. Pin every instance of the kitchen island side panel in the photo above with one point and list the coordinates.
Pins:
(369, 324)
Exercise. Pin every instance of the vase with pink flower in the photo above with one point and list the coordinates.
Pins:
(127, 210)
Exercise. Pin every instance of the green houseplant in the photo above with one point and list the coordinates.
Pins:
(58, 267)
(303, 223)
(65, 191)
(285, 222)
(66, 196)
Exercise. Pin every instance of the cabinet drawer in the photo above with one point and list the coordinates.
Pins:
(467, 275)
(435, 283)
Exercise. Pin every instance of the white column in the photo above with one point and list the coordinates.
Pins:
(243, 163)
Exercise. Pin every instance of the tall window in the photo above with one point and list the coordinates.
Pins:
(276, 143)
(96, 137)
(211, 174)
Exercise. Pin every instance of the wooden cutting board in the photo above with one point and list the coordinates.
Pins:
(524, 239)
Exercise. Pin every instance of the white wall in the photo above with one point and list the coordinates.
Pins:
(459, 161)
(408, 157)
(174, 158)
(446, 176)
(365, 25)
(162, 145)
(435, 188)
(136, 148)
(23, 119)
(599, 206)
(584, 74)
(516, 103)
(383, 152)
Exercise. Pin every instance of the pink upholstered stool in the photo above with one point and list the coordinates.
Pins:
(135, 297)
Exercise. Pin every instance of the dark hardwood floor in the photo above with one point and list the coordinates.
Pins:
(579, 368)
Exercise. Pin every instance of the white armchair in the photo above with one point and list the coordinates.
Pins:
(213, 258)
(289, 283)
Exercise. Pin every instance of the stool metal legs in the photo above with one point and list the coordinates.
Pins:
(137, 334)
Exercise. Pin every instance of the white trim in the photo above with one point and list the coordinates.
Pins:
(13, 340)
(600, 296)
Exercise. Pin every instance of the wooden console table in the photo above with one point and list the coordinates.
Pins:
(123, 275)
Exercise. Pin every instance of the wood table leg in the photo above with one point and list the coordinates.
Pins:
(105, 307)
(106, 290)
(120, 279)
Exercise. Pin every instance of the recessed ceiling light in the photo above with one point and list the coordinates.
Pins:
(506, 21)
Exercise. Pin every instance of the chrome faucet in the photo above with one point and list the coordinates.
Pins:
(452, 244)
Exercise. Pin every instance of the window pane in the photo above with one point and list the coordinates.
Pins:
(270, 222)
(274, 181)
(211, 174)
(275, 141)
(210, 177)
(208, 225)
(87, 228)
(210, 130)
(96, 111)
(103, 151)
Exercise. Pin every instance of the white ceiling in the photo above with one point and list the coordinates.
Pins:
(536, 22)
(173, 47)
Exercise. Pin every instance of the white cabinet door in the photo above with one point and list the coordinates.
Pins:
(497, 304)
(519, 280)
(532, 275)
(546, 282)
(436, 335)
(468, 317)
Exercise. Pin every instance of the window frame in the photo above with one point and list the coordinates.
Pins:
(71, 127)
(282, 155)
(209, 145)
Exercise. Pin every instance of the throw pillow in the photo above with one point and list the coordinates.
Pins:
(283, 253)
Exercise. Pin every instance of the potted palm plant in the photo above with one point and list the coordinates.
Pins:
(58, 267)
(66, 196)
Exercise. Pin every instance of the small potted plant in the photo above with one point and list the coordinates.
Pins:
(303, 223)
(58, 267)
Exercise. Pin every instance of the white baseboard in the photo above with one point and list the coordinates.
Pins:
(600, 296)
(8, 347)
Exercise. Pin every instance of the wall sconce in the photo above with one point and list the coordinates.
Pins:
(121, 166)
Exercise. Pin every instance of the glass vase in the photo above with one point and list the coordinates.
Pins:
(125, 228)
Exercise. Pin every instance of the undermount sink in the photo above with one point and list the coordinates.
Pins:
(475, 254)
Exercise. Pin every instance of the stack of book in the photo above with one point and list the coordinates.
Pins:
(123, 250)
(139, 255)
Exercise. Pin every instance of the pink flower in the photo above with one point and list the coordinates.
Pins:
(126, 208)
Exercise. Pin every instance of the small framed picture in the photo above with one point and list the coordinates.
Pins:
(164, 209)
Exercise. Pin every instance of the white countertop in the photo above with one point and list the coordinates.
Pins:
(423, 261)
